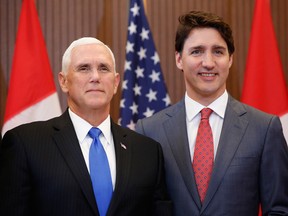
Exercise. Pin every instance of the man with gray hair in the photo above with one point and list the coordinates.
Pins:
(82, 163)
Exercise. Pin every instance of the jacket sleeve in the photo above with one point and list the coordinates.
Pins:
(274, 171)
(15, 185)
(162, 203)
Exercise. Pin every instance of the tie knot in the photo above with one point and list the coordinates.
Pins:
(94, 132)
(205, 113)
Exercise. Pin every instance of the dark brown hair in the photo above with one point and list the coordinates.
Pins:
(200, 19)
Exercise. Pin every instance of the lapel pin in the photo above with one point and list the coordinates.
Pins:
(123, 146)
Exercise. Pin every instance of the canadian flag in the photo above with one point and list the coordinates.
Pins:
(264, 83)
(32, 94)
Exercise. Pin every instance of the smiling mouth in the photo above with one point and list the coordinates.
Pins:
(207, 74)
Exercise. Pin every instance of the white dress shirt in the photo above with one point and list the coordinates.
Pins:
(82, 128)
(193, 117)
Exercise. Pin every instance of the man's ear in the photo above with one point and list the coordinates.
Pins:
(62, 79)
(116, 83)
(178, 59)
(230, 60)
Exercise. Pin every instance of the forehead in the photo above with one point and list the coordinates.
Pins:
(90, 52)
(204, 37)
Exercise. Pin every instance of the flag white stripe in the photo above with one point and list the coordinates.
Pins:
(284, 121)
(43, 110)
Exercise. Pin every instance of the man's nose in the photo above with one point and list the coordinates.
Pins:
(95, 74)
(208, 60)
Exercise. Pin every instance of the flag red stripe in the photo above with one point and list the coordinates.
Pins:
(264, 83)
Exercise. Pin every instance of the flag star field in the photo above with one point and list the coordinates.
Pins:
(143, 89)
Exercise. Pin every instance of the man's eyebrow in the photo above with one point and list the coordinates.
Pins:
(82, 65)
(103, 64)
(195, 48)
(106, 64)
(219, 47)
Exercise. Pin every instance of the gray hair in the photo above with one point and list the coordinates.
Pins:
(66, 59)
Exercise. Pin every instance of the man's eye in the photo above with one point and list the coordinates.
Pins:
(104, 69)
(219, 52)
(196, 52)
(84, 69)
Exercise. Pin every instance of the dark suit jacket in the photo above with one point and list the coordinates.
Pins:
(251, 165)
(43, 172)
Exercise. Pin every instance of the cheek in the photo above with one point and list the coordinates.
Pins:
(191, 63)
(191, 67)
(109, 86)
(76, 85)
(189, 77)
(226, 66)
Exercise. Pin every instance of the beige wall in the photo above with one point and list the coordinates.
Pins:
(65, 20)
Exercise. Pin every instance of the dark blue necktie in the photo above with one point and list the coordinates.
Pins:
(100, 172)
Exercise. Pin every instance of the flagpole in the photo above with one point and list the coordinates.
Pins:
(145, 6)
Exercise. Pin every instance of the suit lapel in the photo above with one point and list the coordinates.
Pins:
(123, 151)
(176, 132)
(67, 142)
(232, 131)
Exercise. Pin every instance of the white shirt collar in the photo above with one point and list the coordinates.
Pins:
(82, 127)
(218, 106)
(105, 127)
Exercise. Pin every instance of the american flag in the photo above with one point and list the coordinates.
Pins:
(143, 89)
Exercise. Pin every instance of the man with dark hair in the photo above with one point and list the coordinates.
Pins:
(222, 157)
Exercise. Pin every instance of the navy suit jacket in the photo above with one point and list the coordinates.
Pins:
(251, 164)
(43, 172)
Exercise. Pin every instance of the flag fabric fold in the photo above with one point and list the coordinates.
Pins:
(32, 93)
(264, 81)
(143, 89)
(3, 94)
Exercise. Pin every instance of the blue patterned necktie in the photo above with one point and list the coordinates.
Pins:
(100, 172)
